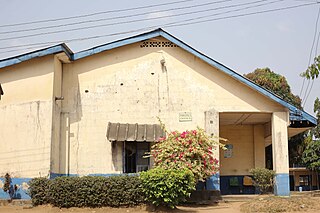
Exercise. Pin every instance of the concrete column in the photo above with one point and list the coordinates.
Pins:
(279, 123)
(212, 128)
(259, 146)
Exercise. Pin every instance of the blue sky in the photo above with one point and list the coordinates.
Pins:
(280, 40)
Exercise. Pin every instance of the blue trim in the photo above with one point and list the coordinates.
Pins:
(282, 187)
(295, 113)
(213, 183)
(39, 53)
(227, 188)
(20, 193)
(115, 44)
(294, 110)
(54, 175)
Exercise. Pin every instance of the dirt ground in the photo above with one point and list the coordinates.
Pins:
(280, 204)
(220, 208)
(269, 204)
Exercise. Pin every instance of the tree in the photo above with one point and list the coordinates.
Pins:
(275, 83)
(278, 84)
(316, 108)
(313, 70)
(311, 155)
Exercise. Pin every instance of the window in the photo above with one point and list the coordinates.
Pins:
(136, 140)
(304, 180)
(134, 160)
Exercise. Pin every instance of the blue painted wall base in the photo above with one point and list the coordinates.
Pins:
(282, 187)
(213, 183)
(233, 185)
(20, 193)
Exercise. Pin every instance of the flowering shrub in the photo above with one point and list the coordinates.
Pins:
(190, 149)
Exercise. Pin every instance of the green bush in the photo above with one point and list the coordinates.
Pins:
(263, 179)
(91, 191)
(38, 191)
(167, 187)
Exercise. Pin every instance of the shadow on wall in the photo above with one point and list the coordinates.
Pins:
(71, 113)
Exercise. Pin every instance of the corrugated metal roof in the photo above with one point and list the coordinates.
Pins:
(134, 132)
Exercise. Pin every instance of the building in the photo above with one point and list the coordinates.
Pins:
(95, 112)
(303, 179)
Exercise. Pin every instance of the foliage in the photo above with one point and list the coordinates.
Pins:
(278, 84)
(263, 179)
(38, 191)
(275, 83)
(190, 149)
(296, 148)
(7, 182)
(87, 191)
(8, 186)
(316, 131)
(311, 155)
(313, 70)
(167, 187)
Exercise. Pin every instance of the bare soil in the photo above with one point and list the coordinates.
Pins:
(273, 204)
(220, 208)
(268, 204)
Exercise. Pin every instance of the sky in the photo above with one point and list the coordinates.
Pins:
(241, 34)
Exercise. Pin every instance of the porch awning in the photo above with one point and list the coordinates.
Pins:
(134, 132)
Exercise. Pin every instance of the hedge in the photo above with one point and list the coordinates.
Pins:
(87, 191)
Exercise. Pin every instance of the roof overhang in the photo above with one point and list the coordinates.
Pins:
(295, 113)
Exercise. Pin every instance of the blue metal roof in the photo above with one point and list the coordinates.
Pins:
(295, 113)
(38, 53)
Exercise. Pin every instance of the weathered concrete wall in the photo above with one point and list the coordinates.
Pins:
(259, 146)
(56, 116)
(248, 149)
(280, 153)
(132, 84)
(242, 159)
(26, 117)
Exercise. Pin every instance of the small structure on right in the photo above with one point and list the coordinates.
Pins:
(303, 179)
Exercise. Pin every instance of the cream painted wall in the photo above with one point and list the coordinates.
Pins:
(25, 118)
(280, 153)
(242, 160)
(56, 116)
(259, 146)
(129, 85)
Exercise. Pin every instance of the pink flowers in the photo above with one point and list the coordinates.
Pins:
(181, 155)
(183, 135)
(188, 149)
(162, 139)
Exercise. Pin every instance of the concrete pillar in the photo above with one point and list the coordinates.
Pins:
(259, 146)
(212, 128)
(279, 123)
